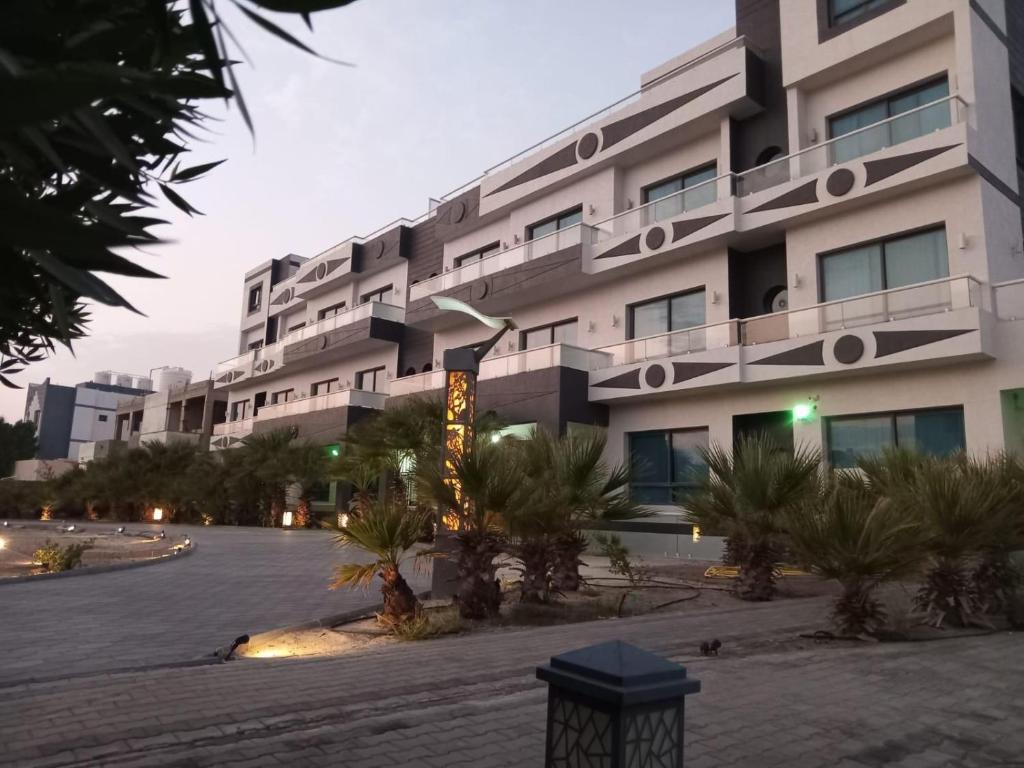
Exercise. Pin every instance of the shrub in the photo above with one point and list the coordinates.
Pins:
(54, 558)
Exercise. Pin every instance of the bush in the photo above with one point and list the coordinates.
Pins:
(54, 558)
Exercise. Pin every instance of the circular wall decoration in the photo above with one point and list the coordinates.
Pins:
(265, 366)
(848, 349)
(587, 146)
(458, 211)
(654, 376)
(840, 182)
(379, 249)
(480, 289)
(321, 271)
(655, 238)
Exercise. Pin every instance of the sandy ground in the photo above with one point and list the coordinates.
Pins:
(21, 540)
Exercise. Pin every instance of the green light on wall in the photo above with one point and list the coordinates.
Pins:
(802, 412)
(334, 451)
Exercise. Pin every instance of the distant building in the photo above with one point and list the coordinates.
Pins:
(67, 417)
(179, 411)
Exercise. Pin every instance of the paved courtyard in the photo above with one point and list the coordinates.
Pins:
(239, 580)
(474, 701)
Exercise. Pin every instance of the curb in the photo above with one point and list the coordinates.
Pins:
(90, 570)
(203, 661)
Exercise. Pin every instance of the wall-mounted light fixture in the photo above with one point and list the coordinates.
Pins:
(591, 326)
(515, 238)
(716, 297)
(812, 135)
(629, 203)
(797, 280)
(615, 321)
(591, 209)
(963, 241)
(158, 514)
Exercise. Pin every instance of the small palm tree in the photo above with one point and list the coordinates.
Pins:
(387, 531)
(963, 512)
(489, 479)
(745, 498)
(847, 533)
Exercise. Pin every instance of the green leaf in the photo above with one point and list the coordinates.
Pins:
(204, 32)
(196, 170)
(178, 201)
(274, 29)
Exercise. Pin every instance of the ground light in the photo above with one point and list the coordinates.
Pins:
(286, 518)
(158, 514)
(3, 543)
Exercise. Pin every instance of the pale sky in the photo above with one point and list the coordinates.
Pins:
(441, 91)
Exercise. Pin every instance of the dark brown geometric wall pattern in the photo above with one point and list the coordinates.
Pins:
(877, 170)
(808, 354)
(802, 195)
(890, 342)
(655, 237)
(611, 135)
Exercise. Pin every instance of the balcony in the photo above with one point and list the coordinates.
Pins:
(231, 433)
(499, 262)
(344, 398)
(501, 366)
(940, 321)
(344, 330)
(922, 121)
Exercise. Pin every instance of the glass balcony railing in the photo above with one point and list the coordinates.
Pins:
(536, 359)
(1008, 298)
(898, 129)
(239, 427)
(661, 209)
(417, 383)
(930, 298)
(341, 399)
(511, 257)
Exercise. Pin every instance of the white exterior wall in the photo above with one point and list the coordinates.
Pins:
(90, 405)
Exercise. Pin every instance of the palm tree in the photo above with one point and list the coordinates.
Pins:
(963, 512)
(745, 498)
(848, 533)
(387, 531)
(570, 485)
(488, 479)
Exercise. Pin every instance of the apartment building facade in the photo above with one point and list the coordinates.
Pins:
(809, 225)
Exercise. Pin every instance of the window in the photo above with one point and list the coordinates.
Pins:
(371, 380)
(1018, 124)
(331, 311)
(102, 417)
(297, 326)
(258, 344)
(255, 297)
(672, 313)
(284, 396)
(880, 266)
(379, 295)
(554, 224)
(666, 466)
(845, 11)
(938, 432)
(895, 131)
(239, 410)
(477, 255)
(557, 333)
(324, 387)
(669, 199)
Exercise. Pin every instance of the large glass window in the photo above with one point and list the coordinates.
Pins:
(255, 297)
(324, 387)
(555, 223)
(557, 333)
(672, 313)
(892, 263)
(381, 294)
(905, 128)
(844, 11)
(239, 410)
(666, 466)
(331, 311)
(371, 380)
(284, 396)
(938, 432)
(1017, 102)
(670, 200)
(477, 255)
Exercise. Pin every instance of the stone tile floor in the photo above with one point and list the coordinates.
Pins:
(473, 700)
(239, 580)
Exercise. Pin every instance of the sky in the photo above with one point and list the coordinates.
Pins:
(440, 91)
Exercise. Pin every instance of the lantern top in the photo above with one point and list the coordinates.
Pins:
(620, 673)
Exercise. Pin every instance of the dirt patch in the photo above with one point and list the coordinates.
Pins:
(107, 547)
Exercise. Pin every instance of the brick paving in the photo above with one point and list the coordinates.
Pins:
(239, 580)
(473, 700)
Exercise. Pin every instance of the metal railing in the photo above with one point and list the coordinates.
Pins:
(661, 209)
(242, 360)
(1008, 299)
(340, 399)
(417, 383)
(510, 257)
(234, 427)
(929, 298)
(536, 359)
(920, 121)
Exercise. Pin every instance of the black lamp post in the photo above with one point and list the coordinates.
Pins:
(615, 705)
(461, 367)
